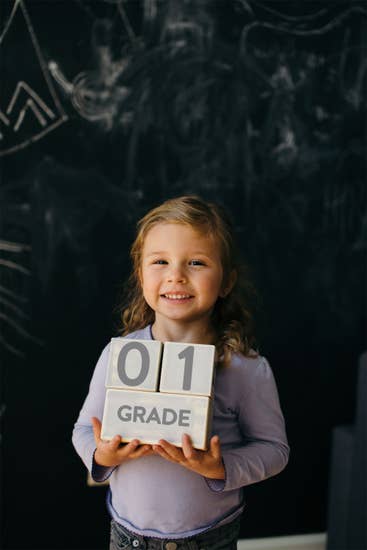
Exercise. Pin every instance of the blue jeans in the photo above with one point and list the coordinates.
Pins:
(221, 538)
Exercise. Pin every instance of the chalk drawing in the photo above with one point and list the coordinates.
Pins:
(126, 21)
(5, 121)
(94, 94)
(29, 106)
(120, 11)
(12, 314)
(93, 97)
(281, 28)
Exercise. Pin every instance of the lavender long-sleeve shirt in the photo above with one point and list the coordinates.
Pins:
(154, 497)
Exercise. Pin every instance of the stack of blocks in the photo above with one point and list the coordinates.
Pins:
(159, 391)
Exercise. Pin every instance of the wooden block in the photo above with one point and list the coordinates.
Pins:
(134, 364)
(153, 416)
(187, 368)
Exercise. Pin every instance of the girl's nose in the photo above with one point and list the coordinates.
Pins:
(176, 275)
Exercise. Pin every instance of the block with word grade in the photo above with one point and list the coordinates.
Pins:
(150, 416)
(187, 368)
(134, 364)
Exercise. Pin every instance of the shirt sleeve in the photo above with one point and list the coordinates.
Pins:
(265, 451)
(83, 438)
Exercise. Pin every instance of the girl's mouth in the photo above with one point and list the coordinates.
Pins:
(177, 297)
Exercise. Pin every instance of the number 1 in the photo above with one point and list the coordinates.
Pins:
(188, 355)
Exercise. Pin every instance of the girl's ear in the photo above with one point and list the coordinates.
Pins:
(230, 284)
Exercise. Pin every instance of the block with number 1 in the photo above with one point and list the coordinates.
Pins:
(135, 408)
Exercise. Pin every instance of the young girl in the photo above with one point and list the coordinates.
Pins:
(184, 288)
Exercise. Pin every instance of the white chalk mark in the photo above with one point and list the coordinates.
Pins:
(16, 326)
(353, 95)
(12, 349)
(297, 32)
(126, 21)
(27, 142)
(292, 18)
(29, 105)
(17, 310)
(94, 103)
(11, 246)
(23, 85)
(5, 120)
(11, 16)
(288, 143)
(15, 266)
(42, 109)
(41, 61)
(56, 72)
(90, 95)
(12, 294)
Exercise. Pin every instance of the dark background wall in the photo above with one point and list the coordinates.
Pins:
(108, 107)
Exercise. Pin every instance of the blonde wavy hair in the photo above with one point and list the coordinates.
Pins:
(232, 319)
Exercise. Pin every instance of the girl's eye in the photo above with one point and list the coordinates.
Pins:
(196, 262)
(160, 262)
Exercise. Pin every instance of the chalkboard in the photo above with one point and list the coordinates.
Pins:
(107, 107)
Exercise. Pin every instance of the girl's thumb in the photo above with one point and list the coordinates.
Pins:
(96, 424)
(215, 447)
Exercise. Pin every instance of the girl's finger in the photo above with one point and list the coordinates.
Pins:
(143, 450)
(115, 443)
(187, 448)
(158, 449)
(129, 448)
(215, 447)
(173, 452)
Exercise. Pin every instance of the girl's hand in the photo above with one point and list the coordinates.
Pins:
(112, 453)
(207, 463)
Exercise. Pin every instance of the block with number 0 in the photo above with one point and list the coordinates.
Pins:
(134, 408)
(134, 364)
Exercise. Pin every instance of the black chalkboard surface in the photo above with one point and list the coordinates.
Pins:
(107, 107)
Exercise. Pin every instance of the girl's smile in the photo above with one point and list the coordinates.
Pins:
(177, 297)
(181, 273)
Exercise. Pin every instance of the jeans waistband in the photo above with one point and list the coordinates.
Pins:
(220, 537)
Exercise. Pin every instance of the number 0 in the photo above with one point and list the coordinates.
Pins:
(144, 368)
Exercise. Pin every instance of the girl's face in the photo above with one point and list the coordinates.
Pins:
(181, 273)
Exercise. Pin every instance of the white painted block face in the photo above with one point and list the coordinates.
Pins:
(187, 368)
(134, 364)
(150, 417)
